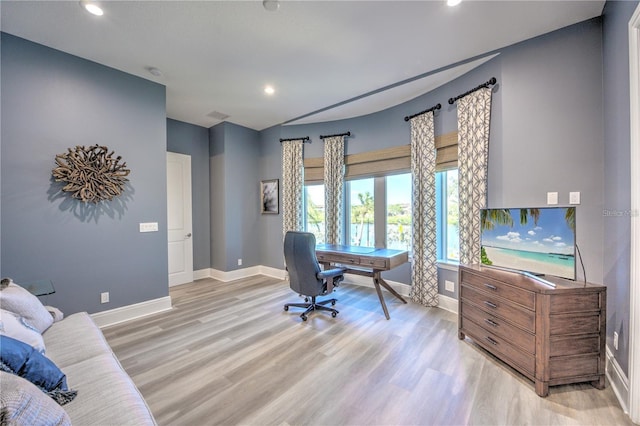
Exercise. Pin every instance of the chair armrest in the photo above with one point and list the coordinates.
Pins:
(330, 273)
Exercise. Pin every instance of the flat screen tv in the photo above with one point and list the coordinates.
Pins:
(540, 241)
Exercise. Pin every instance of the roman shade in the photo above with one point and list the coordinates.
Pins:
(386, 161)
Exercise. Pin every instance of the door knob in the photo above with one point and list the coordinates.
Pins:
(188, 235)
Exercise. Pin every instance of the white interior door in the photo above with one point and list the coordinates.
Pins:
(179, 218)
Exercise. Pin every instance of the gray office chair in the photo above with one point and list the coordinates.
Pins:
(305, 276)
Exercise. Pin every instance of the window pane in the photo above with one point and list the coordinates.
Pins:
(453, 241)
(399, 212)
(360, 212)
(314, 211)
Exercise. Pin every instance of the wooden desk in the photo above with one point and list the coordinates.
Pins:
(365, 261)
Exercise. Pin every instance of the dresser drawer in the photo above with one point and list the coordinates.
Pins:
(518, 295)
(500, 307)
(522, 361)
(520, 338)
(572, 366)
(565, 303)
(574, 345)
(574, 324)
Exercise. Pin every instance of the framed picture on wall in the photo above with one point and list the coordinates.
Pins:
(269, 201)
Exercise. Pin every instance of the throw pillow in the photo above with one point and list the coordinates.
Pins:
(19, 301)
(19, 328)
(23, 360)
(22, 403)
(56, 313)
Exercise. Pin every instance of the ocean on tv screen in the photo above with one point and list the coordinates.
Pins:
(535, 240)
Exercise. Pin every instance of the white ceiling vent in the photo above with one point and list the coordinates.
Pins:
(218, 115)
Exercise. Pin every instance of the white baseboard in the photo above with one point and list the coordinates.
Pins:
(618, 380)
(226, 276)
(444, 302)
(448, 303)
(201, 274)
(129, 312)
(402, 288)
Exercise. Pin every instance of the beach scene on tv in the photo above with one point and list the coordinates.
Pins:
(539, 240)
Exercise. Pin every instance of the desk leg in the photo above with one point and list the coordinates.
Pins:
(376, 283)
(391, 289)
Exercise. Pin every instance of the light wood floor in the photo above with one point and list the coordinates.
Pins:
(228, 354)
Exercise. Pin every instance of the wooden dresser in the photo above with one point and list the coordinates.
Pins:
(551, 335)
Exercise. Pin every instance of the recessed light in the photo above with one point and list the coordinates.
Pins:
(453, 2)
(271, 5)
(92, 8)
(269, 90)
(154, 71)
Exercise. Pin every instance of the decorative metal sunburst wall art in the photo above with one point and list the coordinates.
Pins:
(92, 174)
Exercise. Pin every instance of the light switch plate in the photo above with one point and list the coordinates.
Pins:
(574, 198)
(552, 198)
(149, 227)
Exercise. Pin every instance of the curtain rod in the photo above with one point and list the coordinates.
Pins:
(491, 82)
(433, 108)
(338, 134)
(304, 139)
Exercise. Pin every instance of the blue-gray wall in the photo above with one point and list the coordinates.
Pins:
(235, 196)
(555, 127)
(546, 129)
(617, 178)
(192, 140)
(52, 101)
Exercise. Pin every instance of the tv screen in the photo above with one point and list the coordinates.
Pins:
(540, 241)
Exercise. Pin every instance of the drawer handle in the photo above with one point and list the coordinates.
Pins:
(491, 287)
(491, 322)
(490, 304)
(490, 340)
(352, 260)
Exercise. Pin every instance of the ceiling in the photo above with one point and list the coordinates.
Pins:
(327, 60)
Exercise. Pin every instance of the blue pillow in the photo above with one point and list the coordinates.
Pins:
(23, 360)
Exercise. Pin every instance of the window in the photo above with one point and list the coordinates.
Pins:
(360, 228)
(314, 211)
(447, 215)
(398, 211)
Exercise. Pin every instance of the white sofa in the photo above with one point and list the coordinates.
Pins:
(106, 393)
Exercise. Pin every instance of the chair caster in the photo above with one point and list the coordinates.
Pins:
(304, 317)
(286, 308)
(334, 314)
(333, 303)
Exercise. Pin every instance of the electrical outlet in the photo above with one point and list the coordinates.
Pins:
(615, 340)
(239, 262)
(104, 297)
(449, 286)
(552, 198)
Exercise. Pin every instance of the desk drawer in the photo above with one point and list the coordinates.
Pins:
(500, 307)
(518, 295)
(376, 263)
(334, 258)
(518, 337)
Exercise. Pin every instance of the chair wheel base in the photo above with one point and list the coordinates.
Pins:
(314, 306)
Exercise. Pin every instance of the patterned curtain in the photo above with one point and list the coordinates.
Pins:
(333, 185)
(292, 185)
(474, 117)
(424, 273)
